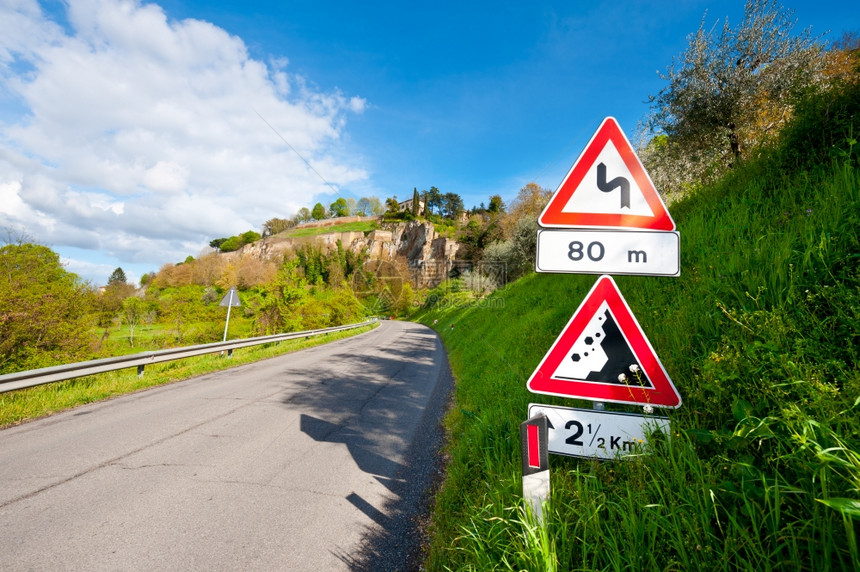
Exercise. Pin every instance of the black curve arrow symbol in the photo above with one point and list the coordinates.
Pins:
(613, 184)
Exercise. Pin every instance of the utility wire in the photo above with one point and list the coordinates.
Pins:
(296, 152)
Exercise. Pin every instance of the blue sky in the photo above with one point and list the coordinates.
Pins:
(131, 133)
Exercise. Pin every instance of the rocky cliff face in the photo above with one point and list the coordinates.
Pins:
(429, 256)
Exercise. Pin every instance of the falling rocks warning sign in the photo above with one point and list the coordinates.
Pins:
(603, 355)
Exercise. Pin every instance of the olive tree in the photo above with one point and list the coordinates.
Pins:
(731, 89)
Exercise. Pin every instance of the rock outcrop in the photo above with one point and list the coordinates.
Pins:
(429, 257)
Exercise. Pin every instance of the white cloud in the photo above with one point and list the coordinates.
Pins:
(10, 201)
(84, 268)
(141, 135)
(166, 176)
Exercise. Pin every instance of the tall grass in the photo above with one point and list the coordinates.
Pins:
(760, 334)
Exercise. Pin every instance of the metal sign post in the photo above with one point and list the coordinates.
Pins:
(230, 299)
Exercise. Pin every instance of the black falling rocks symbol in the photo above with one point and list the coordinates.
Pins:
(620, 362)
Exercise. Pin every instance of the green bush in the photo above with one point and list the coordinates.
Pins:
(232, 244)
(249, 237)
(399, 216)
(46, 313)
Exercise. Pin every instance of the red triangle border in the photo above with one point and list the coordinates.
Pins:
(662, 394)
(609, 130)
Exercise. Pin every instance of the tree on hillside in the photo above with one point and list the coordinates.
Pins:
(843, 59)
(44, 310)
(339, 208)
(452, 205)
(505, 242)
(207, 270)
(496, 204)
(318, 212)
(730, 90)
(303, 215)
(369, 206)
(117, 277)
(434, 200)
(507, 260)
(111, 297)
(234, 243)
(250, 236)
(275, 226)
(475, 235)
(231, 244)
(133, 309)
(530, 201)
(216, 243)
(416, 202)
(280, 309)
(392, 206)
(362, 207)
(376, 208)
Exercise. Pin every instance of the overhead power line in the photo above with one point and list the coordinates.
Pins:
(311, 167)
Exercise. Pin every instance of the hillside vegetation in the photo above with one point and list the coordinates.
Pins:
(360, 226)
(760, 334)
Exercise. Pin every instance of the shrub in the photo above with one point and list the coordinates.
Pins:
(44, 311)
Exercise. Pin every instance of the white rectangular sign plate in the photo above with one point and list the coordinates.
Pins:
(597, 434)
(582, 251)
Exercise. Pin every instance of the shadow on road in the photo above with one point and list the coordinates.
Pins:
(385, 405)
(360, 447)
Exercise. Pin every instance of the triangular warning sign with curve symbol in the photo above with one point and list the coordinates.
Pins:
(607, 187)
(603, 355)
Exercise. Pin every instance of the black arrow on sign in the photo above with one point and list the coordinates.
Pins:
(613, 184)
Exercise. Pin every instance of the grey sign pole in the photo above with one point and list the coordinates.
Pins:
(228, 301)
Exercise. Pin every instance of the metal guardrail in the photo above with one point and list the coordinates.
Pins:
(41, 376)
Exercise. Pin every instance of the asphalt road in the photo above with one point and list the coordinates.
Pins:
(316, 460)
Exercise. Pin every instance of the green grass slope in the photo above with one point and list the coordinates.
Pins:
(760, 336)
(359, 226)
